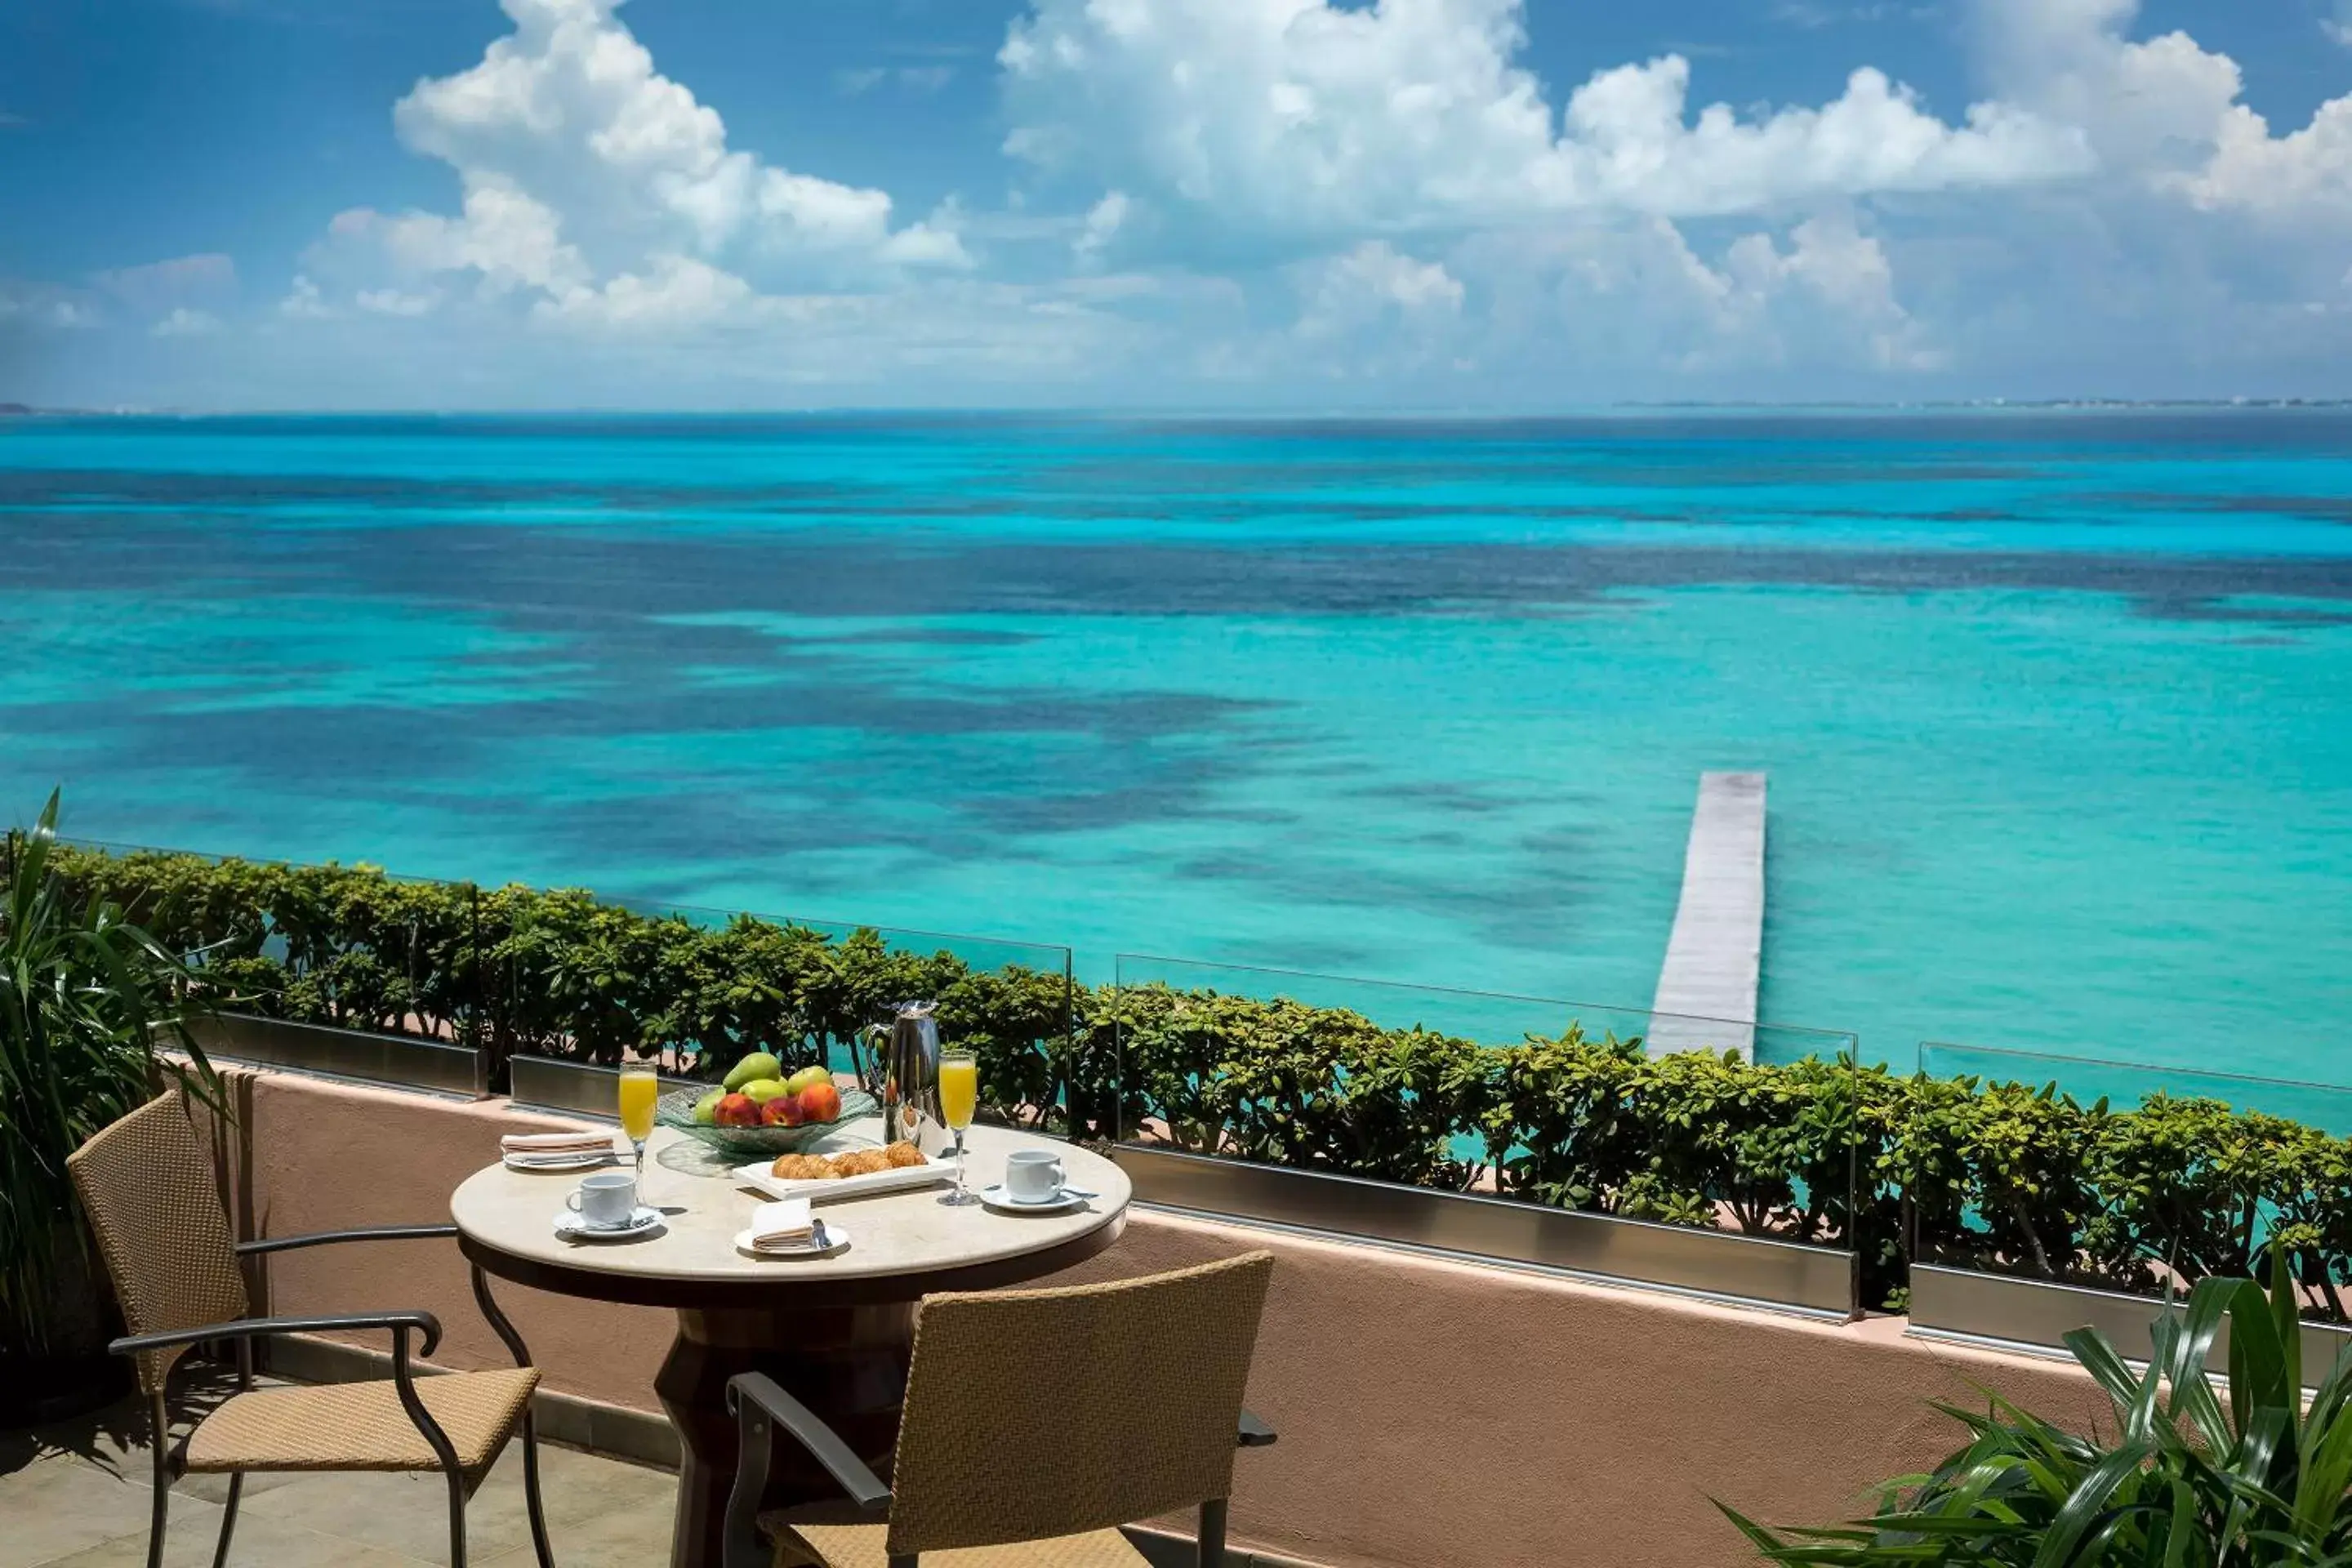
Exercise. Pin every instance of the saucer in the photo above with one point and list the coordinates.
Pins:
(835, 1230)
(1002, 1202)
(571, 1228)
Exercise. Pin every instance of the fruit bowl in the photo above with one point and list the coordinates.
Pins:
(677, 1110)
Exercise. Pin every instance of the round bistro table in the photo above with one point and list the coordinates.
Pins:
(835, 1331)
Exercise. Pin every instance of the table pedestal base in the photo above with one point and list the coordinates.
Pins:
(848, 1364)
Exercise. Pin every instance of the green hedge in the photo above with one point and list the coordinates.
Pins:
(1998, 1177)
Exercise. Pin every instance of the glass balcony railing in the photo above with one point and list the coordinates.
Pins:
(2127, 1176)
(1544, 1100)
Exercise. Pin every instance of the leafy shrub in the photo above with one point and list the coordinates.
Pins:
(84, 994)
(2186, 1481)
(1998, 1176)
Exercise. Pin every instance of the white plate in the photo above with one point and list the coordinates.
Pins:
(580, 1161)
(1002, 1202)
(643, 1222)
(819, 1189)
(838, 1233)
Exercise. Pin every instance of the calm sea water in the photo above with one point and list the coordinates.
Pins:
(2057, 707)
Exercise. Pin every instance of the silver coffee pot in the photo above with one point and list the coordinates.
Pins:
(900, 1068)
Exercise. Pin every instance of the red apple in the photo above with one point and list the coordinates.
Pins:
(820, 1102)
(737, 1110)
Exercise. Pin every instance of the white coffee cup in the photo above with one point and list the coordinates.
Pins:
(605, 1201)
(1033, 1175)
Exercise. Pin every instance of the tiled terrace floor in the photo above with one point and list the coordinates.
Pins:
(77, 1497)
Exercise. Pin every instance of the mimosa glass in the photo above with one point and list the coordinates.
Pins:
(959, 1100)
(640, 1090)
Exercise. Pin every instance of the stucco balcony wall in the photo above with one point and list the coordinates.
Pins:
(1432, 1411)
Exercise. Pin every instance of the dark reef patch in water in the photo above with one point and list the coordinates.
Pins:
(599, 582)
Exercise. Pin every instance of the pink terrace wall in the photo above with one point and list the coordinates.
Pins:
(1430, 1413)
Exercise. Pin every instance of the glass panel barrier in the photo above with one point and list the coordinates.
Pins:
(564, 975)
(2124, 1176)
(1547, 1101)
(349, 947)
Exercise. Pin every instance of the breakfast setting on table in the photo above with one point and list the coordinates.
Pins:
(785, 1142)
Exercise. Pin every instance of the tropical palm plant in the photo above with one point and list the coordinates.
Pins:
(85, 998)
(2186, 1482)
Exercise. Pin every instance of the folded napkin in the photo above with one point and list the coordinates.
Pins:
(784, 1223)
(554, 1143)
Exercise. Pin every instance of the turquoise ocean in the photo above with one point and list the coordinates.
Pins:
(2056, 706)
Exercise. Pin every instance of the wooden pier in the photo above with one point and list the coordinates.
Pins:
(1709, 981)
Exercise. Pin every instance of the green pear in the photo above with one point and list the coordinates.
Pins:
(759, 1064)
(760, 1090)
(808, 1077)
(706, 1109)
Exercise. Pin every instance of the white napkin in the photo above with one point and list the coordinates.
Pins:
(784, 1223)
(554, 1143)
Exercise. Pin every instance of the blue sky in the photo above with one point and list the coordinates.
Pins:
(1281, 204)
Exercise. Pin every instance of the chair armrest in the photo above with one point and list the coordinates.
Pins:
(759, 1407)
(1254, 1433)
(400, 1323)
(320, 1238)
(752, 1394)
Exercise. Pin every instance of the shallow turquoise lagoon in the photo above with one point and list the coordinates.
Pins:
(2057, 707)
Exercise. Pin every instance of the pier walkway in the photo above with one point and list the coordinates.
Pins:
(1717, 949)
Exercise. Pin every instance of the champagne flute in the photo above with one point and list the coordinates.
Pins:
(959, 1100)
(640, 1091)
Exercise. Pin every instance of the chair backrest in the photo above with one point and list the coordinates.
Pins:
(148, 1189)
(1033, 1414)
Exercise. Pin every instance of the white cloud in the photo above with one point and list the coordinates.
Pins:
(1357, 198)
(42, 306)
(184, 322)
(160, 285)
(591, 181)
(1103, 222)
(1301, 116)
(2163, 112)
(303, 301)
(392, 302)
(852, 80)
(1375, 278)
(676, 291)
(1629, 308)
(2339, 26)
(1848, 283)
(1373, 312)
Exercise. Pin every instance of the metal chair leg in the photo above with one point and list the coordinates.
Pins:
(521, 1352)
(531, 1492)
(1212, 1533)
(456, 1519)
(236, 1481)
(160, 1429)
(228, 1519)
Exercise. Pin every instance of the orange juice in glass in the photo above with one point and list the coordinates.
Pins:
(959, 1100)
(640, 1089)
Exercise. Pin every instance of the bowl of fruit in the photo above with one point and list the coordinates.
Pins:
(761, 1111)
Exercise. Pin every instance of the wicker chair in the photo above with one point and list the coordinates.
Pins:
(148, 1189)
(1035, 1422)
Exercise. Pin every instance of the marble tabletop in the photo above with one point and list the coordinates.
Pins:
(513, 1213)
